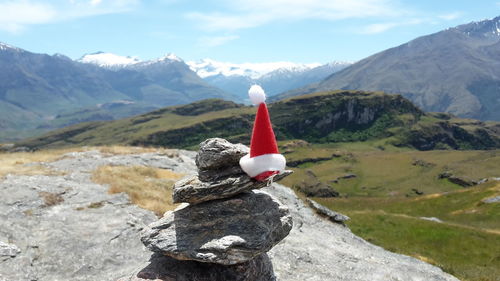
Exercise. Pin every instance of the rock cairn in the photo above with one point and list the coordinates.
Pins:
(226, 229)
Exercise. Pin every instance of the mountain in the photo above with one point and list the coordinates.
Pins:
(36, 88)
(328, 117)
(456, 70)
(275, 77)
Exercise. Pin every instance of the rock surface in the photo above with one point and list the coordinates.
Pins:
(192, 190)
(324, 211)
(228, 231)
(61, 243)
(8, 250)
(165, 268)
(73, 239)
(217, 153)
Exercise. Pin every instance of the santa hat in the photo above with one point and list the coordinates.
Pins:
(264, 159)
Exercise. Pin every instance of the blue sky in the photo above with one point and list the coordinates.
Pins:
(237, 31)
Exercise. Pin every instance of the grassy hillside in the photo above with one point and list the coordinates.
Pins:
(389, 193)
(327, 117)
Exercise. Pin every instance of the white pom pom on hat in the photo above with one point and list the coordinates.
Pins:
(257, 94)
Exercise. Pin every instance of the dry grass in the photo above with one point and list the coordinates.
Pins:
(24, 163)
(149, 188)
(123, 150)
(50, 199)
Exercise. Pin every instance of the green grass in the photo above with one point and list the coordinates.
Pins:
(466, 253)
(385, 211)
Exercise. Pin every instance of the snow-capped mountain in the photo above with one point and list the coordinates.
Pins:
(7, 47)
(208, 67)
(113, 61)
(109, 60)
(275, 77)
(489, 28)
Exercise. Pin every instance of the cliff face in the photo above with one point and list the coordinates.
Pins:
(84, 233)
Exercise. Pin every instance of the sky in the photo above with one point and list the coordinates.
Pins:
(301, 31)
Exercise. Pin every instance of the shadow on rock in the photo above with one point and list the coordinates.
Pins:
(165, 268)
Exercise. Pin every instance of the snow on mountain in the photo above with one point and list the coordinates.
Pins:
(103, 59)
(208, 67)
(109, 60)
(486, 28)
(5, 47)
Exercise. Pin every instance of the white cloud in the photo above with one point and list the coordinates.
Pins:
(252, 13)
(95, 2)
(216, 40)
(378, 28)
(450, 16)
(382, 27)
(15, 15)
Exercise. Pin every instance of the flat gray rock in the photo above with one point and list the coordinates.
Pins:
(164, 268)
(217, 153)
(226, 231)
(192, 190)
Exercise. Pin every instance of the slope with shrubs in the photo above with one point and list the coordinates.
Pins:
(327, 117)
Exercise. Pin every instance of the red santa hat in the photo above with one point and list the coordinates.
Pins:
(264, 159)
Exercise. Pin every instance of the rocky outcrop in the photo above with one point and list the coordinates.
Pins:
(70, 241)
(227, 222)
(89, 235)
(312, 187)
(324, 211)
(464, 182)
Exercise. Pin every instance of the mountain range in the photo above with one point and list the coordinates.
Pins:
(39, 92)
(456, 70)
(37, 88)
(275, 77)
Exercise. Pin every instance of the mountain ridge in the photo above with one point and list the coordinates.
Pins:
(34, 88)
(275, 77)
(328, 117)
(456, 70)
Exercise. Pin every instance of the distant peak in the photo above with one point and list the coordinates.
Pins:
(208, 67)
(5, 47)
(171, 57)
(483, 28)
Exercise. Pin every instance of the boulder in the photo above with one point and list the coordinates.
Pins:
(164, 268)
(227, 231)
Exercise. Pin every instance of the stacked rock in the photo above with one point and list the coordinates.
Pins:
(225, 230)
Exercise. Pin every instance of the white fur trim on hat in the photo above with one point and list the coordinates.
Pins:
(257, 165)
